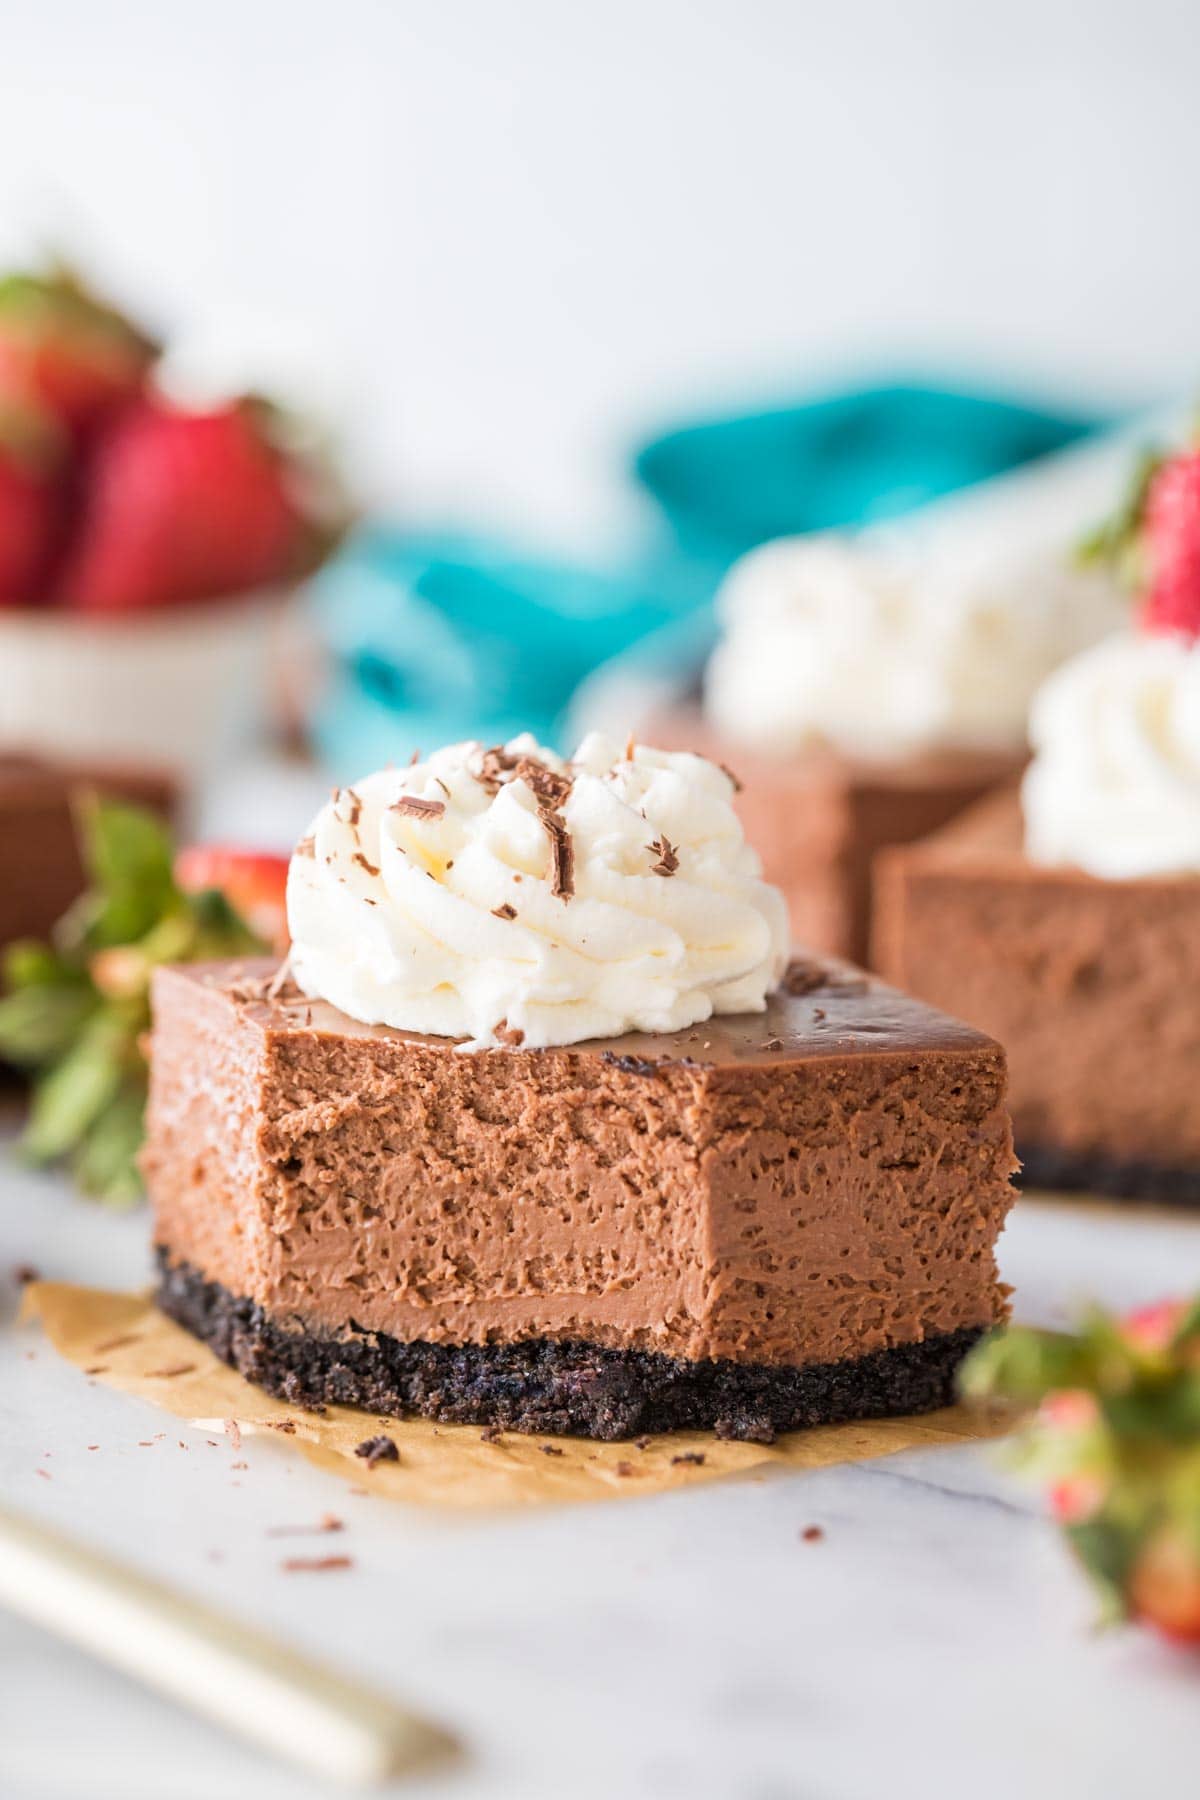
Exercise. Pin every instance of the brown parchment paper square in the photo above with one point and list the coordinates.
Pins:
(125, 1342)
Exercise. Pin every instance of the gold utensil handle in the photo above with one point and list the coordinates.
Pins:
(233, 1674)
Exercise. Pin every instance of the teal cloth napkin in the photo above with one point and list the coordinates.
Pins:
(436, 636)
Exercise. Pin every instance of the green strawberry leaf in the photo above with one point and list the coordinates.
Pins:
(76, 1090)
(38, 1024)
(105, 1162)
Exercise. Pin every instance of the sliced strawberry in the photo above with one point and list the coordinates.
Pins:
(180, 506)
(253, 882)
(1173, 547)
(31, 504)
(1164, 1588)
(63, 348)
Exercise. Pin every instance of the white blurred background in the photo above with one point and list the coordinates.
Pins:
(505, 237)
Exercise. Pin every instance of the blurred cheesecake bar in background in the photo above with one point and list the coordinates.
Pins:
(1066, 920)
(866, 695)
(39, 844)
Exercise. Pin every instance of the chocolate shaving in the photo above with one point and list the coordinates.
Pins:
(169, 1374)
(629, 1065)
(729, 775)
(494, 765)
(509, 1034)
(773, 1044)
(327, 1522)
(504, 912)
(490, 1434)
(550, 789)
(630, 747)
(306, 847)
(24, 1273)
(376, 1450)
(550, 1450)
(279, 980)
(362, 862)
(668, 858)
(803, 976)
(413, 808)
(355, 813)
(562, 855)
(689, 1456)
(812, 1534)
(295, 1565)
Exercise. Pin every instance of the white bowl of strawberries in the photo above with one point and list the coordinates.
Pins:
(146, 549)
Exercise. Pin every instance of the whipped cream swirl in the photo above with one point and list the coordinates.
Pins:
(507, 896)
(883, 652)
(1114, 786)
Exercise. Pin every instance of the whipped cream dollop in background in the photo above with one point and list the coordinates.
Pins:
(517, 898)
(883, 652)
(1114, 785)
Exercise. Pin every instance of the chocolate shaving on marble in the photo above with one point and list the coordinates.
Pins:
(413, 808)
(668, 856)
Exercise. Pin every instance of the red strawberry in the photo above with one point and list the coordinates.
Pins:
(30, 505)
(180, 506)
(1153, 1327)
(64, 349)
(253, 882)
(1173, 546)
(1164, 1588)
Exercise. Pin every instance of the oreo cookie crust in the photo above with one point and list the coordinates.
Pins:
(1070, 1172)
(550, 1387)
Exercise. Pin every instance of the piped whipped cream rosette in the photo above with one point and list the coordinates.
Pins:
(882, 652)
(507, 896)
(1114, 786)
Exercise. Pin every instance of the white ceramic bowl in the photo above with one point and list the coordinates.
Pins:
(181, 689)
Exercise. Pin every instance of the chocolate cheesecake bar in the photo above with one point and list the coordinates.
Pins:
(39, 848)
(1092, 984)
(763, 1221)
(818, 818)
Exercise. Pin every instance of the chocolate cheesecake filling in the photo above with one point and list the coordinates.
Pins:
(712, 1219)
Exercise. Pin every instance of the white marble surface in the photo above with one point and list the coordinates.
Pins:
(936, 1642)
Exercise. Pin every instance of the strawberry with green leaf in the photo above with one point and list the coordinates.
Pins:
(77, 1010)
(66, 351)
(1152, 542)
(1116, 1435)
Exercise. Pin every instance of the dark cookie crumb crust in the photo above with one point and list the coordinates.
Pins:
(1044, 1166)
(568, 1389)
